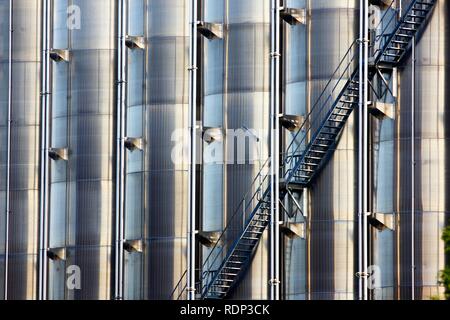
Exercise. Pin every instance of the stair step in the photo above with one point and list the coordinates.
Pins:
(225, 280)
(400, 42)
(231, 268)
(318, 151)
(302, 176)
(408, 29)
(218, 292)
(418, 16)
(311, 157)
(413, 22)
(250, 238)
(348, 101)
(344, 108)
(237, 256)
(391, 55)
(397, 49)
(229, 274)
(404, 35)
(257, 232)
(336, 121)
(311, 164)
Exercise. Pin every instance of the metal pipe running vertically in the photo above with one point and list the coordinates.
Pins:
(120, 163)
(192, 151)
(8, 150)
(366, 147)
(413, 196)
(44, 196)
(275, 56)
(363, 150)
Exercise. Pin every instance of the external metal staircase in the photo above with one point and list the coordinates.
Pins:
(309, 151)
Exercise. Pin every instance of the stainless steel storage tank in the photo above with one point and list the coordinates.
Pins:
(82, 121)
(332, 253)
(296, 58)
(431, 143)
(21, 262)
(236, 99)
(156, 180)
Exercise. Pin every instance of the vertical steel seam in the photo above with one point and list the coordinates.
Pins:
(8, 160)
(274, 152)
(360, 149)
(192, 151)
(413, 106)
(120, 162)
(365, 147)
(44, 196)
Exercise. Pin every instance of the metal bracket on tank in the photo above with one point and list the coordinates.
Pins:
(381, 221)
(210, 30)
(136, 245)
(383, 4)
(291, 122)
(211, 134)
(58, 154)
(59, 55)
(134, 143)
(293, 16)
(209, 238)
(382, 110)
(56, 254)
(294, 230)
(135, 42)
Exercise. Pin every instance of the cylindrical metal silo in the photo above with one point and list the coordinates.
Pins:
(431, 161)
(332, 254)
(82, 122)
(236, 99)
(157, 179)
(20, 94)
(246, 96)
(296, 59)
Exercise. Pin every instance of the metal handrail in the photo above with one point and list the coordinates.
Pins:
(177, 285)
(379, 54)
(316, 104)
(384, 33)
(232, 222)
(234, 245)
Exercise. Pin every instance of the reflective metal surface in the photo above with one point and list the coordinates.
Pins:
(156, 186)
(24, 198)
(320, 263)
(296, 58)
(81, 191)
(236, 96)
(431, 162)
(332, 250)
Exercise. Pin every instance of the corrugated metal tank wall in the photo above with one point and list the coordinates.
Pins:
(156, 183)
(82, 120)
(236, 96)
(295, 99)
(382, 242)
(332, 232)
(214, 102)
(246, 97)
(431, 158)
(24, 184)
